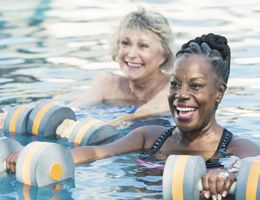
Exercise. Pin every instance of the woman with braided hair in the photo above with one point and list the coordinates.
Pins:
(198, 84)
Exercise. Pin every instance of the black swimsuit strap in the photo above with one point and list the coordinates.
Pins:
(210, 163)
(221, 150)
(224, 142)
(157, 144)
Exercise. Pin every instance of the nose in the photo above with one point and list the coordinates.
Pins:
(183, 92)
(133, 51)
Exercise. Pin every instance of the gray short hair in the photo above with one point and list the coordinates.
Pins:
(151, 21)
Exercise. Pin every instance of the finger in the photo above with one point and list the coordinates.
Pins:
(205, 183)
(12, 164)
(205, 194)
(7, 165)
(12, 168)
(228, 183)
(212, 181)
(214, 197)
(226, 187)
(220, 185)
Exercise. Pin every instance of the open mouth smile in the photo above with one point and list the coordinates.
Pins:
(134, 65)
(185, 113)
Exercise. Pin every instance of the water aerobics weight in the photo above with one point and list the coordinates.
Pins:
(43, 120)
(182, 178)
(39, 163)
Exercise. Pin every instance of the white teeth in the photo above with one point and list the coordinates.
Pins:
(134, 65)
(186, 109)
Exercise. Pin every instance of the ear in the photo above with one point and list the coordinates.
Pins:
(221, 91)
(163, 59)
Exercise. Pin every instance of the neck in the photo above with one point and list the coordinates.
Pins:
(146, 88)
(205, 135)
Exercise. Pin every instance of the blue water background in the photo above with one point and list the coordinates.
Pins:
(54, 49)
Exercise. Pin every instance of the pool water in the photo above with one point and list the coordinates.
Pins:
(54, 49)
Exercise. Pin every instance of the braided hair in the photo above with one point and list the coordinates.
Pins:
(215, 48)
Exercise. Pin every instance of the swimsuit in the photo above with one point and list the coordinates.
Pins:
(210, 163)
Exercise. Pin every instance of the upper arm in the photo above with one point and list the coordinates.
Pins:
(93, 94)
(243, 147)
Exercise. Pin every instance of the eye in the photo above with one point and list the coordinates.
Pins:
(144, 45)
(124, 42)
(175, 84)
(196, 86)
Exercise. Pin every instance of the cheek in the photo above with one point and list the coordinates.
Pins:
(120, 52)
(120, 56)
(207, 102)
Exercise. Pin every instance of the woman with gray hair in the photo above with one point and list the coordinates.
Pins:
(143, 46)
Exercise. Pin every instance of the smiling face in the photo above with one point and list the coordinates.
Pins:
(140, 54)
(194, 93)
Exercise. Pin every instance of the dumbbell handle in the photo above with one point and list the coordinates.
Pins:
(231, 191)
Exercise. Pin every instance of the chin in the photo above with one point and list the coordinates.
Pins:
(185, 125)
(133, 76)
(185, 128)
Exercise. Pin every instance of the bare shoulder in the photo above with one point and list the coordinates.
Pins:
(150, 130)
(238, 140)
(149, 133)
(113, 80)
(244, 147)
(107, 84)
(108, 79)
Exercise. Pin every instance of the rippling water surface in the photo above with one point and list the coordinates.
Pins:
(53, 49)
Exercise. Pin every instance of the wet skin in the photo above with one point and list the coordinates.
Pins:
(194, 94)
(140, 54)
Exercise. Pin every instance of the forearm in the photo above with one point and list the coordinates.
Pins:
(137, 115)
(127, 117)
(132, 142)
(85, 154)
(82, 154)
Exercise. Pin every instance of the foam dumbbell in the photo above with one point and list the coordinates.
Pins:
(86, 132)
(41, 120)
(46, 117)
(40, 163)
(182, 179)
(7, 147)
(16, 120)
(44, 163)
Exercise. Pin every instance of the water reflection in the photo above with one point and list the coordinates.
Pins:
(53, 49)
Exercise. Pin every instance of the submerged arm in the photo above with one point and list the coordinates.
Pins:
(156, 106)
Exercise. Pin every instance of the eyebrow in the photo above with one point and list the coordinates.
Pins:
(140, 39)
(192, 79)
